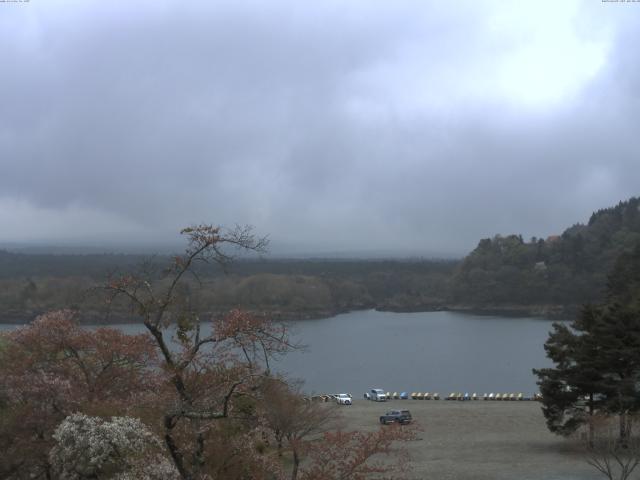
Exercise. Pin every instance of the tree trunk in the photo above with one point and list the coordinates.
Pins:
(199, 454)
(591, 426)
(174, 451)
(624, 433)
(279, 439)
(296, 463)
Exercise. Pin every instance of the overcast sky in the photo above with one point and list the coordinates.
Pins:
(361, 126)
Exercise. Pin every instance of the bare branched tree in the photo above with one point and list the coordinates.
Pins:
(616, 459)
(294, 419)
(207, 372)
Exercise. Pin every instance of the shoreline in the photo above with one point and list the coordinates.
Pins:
(546, 312)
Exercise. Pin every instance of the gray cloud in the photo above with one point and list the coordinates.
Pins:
(372, 126)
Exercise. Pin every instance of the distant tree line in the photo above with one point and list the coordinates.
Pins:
(551, 276)
(291, 288)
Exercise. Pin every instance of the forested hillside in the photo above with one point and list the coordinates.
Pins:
(33, 284)
(551, 276)
(560, 271)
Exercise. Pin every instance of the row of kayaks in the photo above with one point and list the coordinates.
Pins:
(462, 396)
(436, 396)
(492, 396)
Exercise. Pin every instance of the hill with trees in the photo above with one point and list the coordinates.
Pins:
(550, 276)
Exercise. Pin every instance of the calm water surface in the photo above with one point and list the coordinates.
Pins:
(429, 351)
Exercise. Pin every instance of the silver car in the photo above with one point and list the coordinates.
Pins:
(377, 395)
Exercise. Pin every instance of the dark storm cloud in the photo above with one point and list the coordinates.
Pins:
(367, 127)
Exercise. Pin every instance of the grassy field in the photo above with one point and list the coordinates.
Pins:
(480, 440)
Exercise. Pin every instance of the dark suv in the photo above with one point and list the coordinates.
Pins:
(401, 416)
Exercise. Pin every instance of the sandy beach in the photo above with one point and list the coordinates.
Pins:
(480, 440)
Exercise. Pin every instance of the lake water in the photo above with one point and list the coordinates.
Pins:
(429, 352)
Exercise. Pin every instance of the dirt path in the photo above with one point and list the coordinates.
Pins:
(480, 440)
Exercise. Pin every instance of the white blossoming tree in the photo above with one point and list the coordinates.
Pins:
(122, 448)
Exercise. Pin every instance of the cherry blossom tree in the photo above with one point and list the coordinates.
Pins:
(293, 420)
(117, 449)
(195, 394)
(320, 449)
(52, 368)
(358, 455)
(212, 378)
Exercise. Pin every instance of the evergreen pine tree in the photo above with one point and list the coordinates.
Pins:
(597, 357)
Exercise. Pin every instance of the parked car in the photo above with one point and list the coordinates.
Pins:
(400, 416)
(377, 395)
(343, 399)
